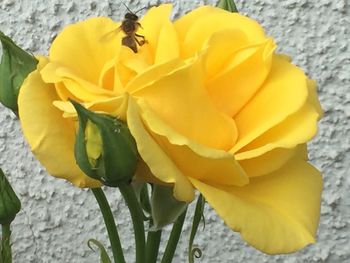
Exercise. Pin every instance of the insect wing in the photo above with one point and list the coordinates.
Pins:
(109, 35)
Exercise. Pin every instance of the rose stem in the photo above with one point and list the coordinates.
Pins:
(137, 219)
(153, 241)
(117, 249)
(174, 239)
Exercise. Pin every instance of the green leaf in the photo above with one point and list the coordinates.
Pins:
(228, 5)
(142, 194)
(15, 66)
(10, 205)
(198, 215)
(118, 158)
(104, 258)
(165, 208)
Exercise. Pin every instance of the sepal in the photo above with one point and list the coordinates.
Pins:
(228, 5)
(15, 66)
(10, 205)
(165, 207)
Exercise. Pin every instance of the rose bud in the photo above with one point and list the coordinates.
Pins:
(9, 202)
(15, 65)
(228, 5)
(104, 148)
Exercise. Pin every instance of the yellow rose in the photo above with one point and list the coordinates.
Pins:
(210, 105)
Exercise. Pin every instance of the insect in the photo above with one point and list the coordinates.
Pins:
(129, 26)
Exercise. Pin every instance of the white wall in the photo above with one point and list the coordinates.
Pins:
(57, 219)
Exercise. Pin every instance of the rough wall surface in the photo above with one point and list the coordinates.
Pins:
(57, 219)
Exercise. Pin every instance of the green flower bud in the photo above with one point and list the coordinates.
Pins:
(9, 202)
(228, 5)
(104, 149)
(15, 66)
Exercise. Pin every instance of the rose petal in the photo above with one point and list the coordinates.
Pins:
(168, 44)
(50, 136)
(196, 27)
(220, 48)
(159, 163)
(152, 24)
(313, 98)
(86, 46)
(283, 93)
(298, 128)
(206, 164)
(181, 100)
(115, 106)
(277, 213)
(241, 78)
(78, 87)
(271, 160)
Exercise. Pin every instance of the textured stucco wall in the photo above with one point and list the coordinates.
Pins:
(57, 219)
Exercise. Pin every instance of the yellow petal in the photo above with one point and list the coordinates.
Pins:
(50, 136)
(313, 98)
(107, 77)
(276, 213)
(152, 24)
(78, 87)
(194, 160)
(115, 106)
(180, 99)
(241, 79)
(154, 74)
(84, 47)
(271, 160)
(168, 44)
(93, 142)
(196, 27)
(283, 93)
(298, 128)
(161, 166)
(312, 89)
(220, 48)
(137, 62)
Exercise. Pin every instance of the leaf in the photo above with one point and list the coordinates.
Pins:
(141, 191)
(15, 66)
(104, 258)
(165, 208)
(228, 5)
(10, 205)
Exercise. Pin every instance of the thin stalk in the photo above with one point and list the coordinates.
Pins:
(6, 252)
(198, 214)
(137, 219)
(152, 248)
(174, 239)
(117, 249)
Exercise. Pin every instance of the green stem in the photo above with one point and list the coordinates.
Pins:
(153, 241)
(174, 239)
(198, 214)
(137, 219)
(6, 252)
(110, 225)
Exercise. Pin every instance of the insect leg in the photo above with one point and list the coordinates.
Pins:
(142, 41)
